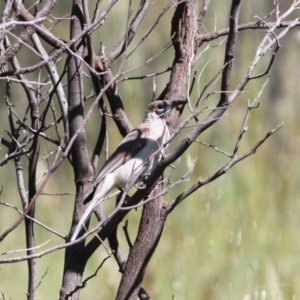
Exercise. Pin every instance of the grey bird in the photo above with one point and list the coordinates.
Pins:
(133, 157)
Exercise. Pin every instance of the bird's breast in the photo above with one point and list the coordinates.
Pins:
(144, 160)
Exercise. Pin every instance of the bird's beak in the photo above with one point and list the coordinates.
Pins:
(172, 104)
(175, 103)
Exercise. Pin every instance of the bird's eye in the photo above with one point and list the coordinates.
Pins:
(160, 109)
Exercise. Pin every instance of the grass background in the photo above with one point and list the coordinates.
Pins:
(235, 238)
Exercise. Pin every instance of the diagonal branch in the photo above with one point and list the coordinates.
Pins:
(26, 34)
(222, 171)
(208, 37)
(45, 34)
(118, 49)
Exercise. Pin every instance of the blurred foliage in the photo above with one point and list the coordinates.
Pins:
(237, 236)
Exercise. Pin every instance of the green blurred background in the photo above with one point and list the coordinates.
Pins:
(235, 237)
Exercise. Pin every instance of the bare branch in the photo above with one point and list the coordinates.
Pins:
(27, 33)
(207, 37)
(45, 34)
(57, 83)
(203, 11)
(31, 204)
(85, 282)
(22, 250)
(34, 220)
(221, 171)
(117, 50)
(63, 47)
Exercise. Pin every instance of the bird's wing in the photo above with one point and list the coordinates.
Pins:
(133, 142)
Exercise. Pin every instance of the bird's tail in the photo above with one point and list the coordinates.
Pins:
(100, 193)
(83, 219)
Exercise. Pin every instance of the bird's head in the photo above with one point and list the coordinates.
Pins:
(161, 109)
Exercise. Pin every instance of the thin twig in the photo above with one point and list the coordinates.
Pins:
(33, 219)
(234, 160)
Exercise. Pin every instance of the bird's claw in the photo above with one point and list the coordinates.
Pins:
(142, 184)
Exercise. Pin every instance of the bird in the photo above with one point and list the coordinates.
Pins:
(134, 157)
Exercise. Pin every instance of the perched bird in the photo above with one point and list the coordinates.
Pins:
(132, 158)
